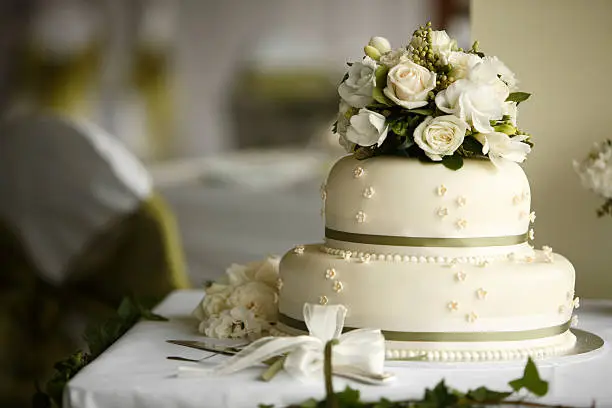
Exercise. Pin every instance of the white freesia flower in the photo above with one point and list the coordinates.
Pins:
(258, 297)
(499, 147)
(235, 323)
(462, 63)
(408, 84)
(442, 44)
(440, 136)
(394, 57)
(476, 103)
(596, 170)
(367, 128)
(381, 44)
(357, 89)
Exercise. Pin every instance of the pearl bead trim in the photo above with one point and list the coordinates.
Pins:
(493, 354)
(475, 260)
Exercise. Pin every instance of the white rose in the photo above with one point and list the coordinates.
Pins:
(357, 89)
(381, 44)
(440, 136)
(500, 147)
(213, 302)
(218, 326)
(462, 64)
(258, 297)
(408, 84)
(475, 103)
(442, 44)
(596, 170)
(394, 57)
(367, 128)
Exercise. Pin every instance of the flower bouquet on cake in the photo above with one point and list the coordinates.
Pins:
(595, 172)
(430, 100)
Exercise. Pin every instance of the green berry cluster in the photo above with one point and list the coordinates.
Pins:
(420, 47)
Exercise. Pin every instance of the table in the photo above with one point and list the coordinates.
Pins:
(134, 372)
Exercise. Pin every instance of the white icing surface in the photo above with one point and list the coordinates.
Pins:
(501, 295)
(415, 199)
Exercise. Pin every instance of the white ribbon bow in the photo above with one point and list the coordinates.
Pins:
(360, 352)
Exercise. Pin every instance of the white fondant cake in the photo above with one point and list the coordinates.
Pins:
(439, 260)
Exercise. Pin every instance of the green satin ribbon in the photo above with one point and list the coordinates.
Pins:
(458, 337)
(424, 241)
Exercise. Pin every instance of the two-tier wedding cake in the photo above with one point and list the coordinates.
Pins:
(428, 220)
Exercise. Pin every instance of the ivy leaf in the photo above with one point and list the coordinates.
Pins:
(380, 97)
(423, 111)
(381, 76)
(531, 381)
(348, 398)
(454, 162)
(482, 394)
(440, 396)
(518, 97)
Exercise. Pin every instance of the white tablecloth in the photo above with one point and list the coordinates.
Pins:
(134, 372)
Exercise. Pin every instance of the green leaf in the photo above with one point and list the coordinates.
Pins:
(348, 397)
(423, 111)
(362, 153)
(399, 127)
(381, 76)
(335, 127)
(454, 162)
(531, 380)
(518, 97)
(440, 396)
(309, 403)
(380, 97)
(482, 394)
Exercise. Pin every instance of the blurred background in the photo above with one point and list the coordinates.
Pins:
(209, 134)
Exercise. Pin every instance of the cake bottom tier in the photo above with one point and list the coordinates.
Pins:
(495, 310)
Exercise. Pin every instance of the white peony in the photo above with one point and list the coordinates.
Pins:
(258, 297)
(491, 69)
(394, 57)
(476, 103)
(357, 89)
(367, 128)
(381, 44)
(462, 64)
(442, 44)
(408, 84)
(596, 170)
(233, 323)
(440, 136)
(499, 147)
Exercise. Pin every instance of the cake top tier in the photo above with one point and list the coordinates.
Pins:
(431, 100)
(405, 203)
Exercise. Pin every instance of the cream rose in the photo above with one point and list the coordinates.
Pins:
(440, 136)
(500, 147)
(367, 128)
(357, 89)
(265, 271)
(214, 302)
(476, 103)
(258, 297)
(408, 84)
